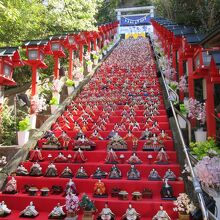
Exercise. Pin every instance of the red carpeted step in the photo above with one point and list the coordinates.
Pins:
(101, 155)
(113, 89)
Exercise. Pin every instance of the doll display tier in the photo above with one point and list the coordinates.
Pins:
(121, 106)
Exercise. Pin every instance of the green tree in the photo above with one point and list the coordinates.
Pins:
(21, 20)
(201, 14)
(70, 15)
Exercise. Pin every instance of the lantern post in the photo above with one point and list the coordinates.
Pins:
(9, 58)
(35, 52)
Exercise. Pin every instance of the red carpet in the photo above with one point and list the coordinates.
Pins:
(126, 84)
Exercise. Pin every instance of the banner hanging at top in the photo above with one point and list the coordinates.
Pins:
(135, 20)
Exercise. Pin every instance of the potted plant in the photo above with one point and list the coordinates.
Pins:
(54, 104)
(184, 206)
(104, 50)
(208, 170)
(197, 110)
(89, 65)
(70, 86)
(39, 104)
(23, 133)
(56, 89)
(95, 57)
(183, 110)
(205, 148)
(88, 207)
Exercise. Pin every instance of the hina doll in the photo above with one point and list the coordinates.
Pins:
(95, 136)
(111, 135)
(64, 140)
(70, 187)
(51, 170)
(115, 173)
(154, 175)
(152, 144)
(162, 157)
(21, 171)
(36, 155)
(145, 134)
(99, 174)
(83, 142)
(29, 211)
(57, 212)
(79, 157)
(106, 213)
(100, 189)
(164, 136)
(170, 175)
(81, 173)
(50, 139)
(60, 158)
(11, 186)
(161, 215)
(133, 173)
(111, 157)
(130, 137)
(66, 173)
(36, 170)
(4, 210)
(117, 143)
(167, 191)
(155, 127)
(131, 213)
(133, 159)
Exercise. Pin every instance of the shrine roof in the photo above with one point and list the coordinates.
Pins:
(212, 39)
(194, 38)
(216, 57)
(57, 37)
(35, 42)
(183, 31)
(7, 51)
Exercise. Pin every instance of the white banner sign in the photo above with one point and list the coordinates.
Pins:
(135, 29)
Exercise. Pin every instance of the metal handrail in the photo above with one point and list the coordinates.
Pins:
(187, 122)
(174, 92)
(195, 180)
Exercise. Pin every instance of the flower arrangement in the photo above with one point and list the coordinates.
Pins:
(69, 83)
(39, 103)
(54, 101)
(183, 204)
(183, 87)
(87, 56)
(24, 124)
(106, 42)
(56, 85)
(197, 110)
(208, 170)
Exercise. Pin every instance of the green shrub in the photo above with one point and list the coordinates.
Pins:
(54, 101)
(24, 124)
(69, 83)
(202, 149)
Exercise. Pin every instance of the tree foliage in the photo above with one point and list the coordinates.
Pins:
(201, 14)
(31, 19)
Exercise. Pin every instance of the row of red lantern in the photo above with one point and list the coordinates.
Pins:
(186, 47)
(37, 49)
